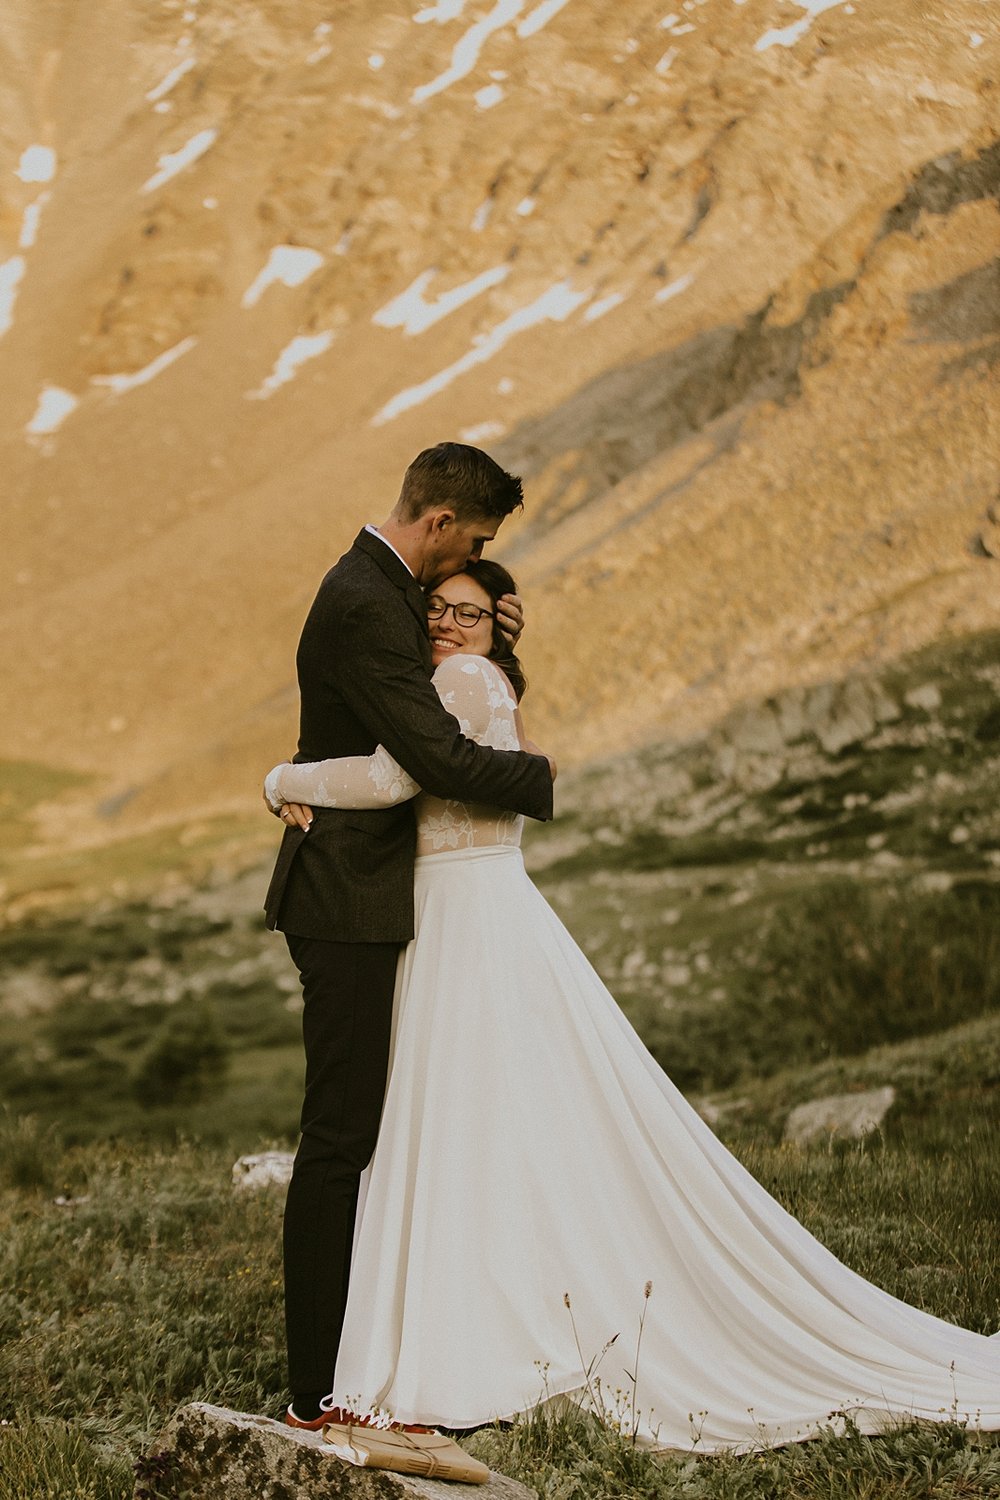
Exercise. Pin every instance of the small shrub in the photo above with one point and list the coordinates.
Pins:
(847, 967)
(29, 1153)
(188, 1056)
(838, 969)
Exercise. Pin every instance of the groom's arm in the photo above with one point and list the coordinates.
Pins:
(382, 677)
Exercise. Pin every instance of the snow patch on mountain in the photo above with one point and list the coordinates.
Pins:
(553, 305)
(289, 264)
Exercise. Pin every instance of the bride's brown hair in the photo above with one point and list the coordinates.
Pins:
(493, 578)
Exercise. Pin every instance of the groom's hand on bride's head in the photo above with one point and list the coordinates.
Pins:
(510, 616)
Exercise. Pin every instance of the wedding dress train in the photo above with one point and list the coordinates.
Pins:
(532, 1153)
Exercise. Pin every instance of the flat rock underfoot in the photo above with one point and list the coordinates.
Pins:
(207, 1452)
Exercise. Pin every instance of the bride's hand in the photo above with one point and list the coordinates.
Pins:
(534, 749)
(292, 814)
(296, 814)
(510, 617)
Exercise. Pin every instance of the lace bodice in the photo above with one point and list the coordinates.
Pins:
(479, 696)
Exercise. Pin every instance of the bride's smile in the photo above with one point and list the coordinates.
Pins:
(454, 622)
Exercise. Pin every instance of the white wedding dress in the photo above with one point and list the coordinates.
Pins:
(531, 1148)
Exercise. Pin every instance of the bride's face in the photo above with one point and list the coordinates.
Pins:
(449, 635)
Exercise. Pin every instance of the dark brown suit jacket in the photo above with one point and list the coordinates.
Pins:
(364, 667)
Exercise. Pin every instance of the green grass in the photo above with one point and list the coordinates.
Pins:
(116, 1012)
(115, 1036)
(52, 876)
(24, 786)
(48, 1458)
(726, 983)
(938, 1078)
(842, 967)
(155, 1284)
(566, 1456)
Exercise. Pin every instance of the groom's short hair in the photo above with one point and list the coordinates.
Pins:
(464, 479)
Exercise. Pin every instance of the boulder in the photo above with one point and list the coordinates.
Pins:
(790, 708)
(849, 719)
(262, 1170)
(847, 1116)
(757, 729)
(207, 1452)
(927, 697)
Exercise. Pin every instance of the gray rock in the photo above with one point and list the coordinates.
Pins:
(726, 759)
(884, 705)
(207, 1452)
(758, 773)
(263, 1169)
(716, 1112)
(758, 730)
(818, 704)
(849, 719)
(927, 696)
(790, 707)
(847, 1116)
(29, 991)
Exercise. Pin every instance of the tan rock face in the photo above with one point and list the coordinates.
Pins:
(727, 299)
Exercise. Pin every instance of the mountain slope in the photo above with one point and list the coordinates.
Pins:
(721, 283)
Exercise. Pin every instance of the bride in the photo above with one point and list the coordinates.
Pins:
(536, 1170)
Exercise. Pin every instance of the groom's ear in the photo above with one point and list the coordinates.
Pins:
(440, 520)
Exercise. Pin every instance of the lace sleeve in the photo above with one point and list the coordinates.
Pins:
(480, 697)
(470, 687)
(356, 781)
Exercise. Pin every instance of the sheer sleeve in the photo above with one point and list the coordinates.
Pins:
(470, 688)
(479, 696)
(357, 781)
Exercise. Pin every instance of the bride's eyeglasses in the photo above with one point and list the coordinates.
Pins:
(465, 614)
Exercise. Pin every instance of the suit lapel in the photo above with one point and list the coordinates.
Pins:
(396, 572)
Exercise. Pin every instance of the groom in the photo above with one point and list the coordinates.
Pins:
(342, 892)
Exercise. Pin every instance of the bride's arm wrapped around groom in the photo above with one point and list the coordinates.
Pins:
(465, 687)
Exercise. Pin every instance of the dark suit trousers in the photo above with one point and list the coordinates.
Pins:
(347, 989)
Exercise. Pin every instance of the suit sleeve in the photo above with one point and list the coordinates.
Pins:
(381, 676)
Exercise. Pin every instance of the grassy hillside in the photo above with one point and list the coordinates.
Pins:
(819, 876)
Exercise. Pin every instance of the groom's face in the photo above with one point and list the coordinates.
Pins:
(455, 543)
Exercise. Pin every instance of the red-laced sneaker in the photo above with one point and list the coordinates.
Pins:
(341, 1418)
